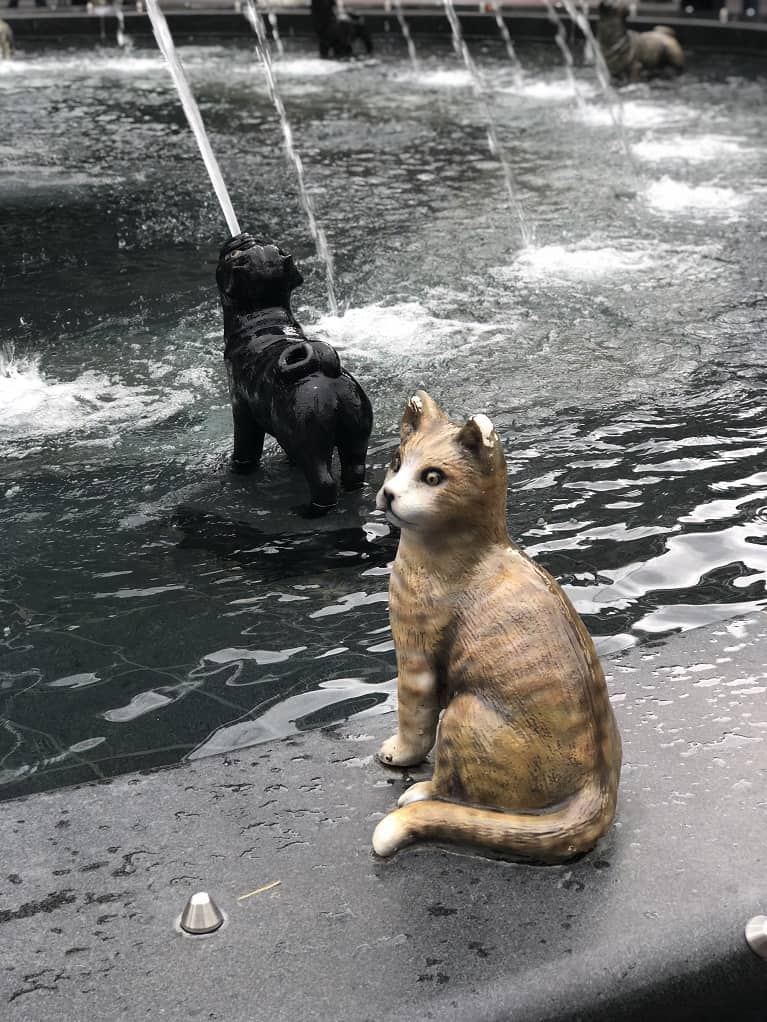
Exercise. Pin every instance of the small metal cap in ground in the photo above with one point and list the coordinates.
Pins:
(756, 935)
(201, 914)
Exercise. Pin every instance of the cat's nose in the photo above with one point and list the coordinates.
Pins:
(384, 499)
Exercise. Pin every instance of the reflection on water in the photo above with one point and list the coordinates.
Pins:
(153, 606)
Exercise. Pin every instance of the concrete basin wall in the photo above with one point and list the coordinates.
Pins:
(648, 926)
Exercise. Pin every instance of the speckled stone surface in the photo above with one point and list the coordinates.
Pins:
(648, 926)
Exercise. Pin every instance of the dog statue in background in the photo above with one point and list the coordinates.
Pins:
(6, 40)
(528, 754)
(283, 383)
(633, 55)
(337, 33)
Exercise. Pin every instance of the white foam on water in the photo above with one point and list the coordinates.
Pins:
(375, 331)
(120, 64)
(308, 67)
(33, 405)
(634, 115)
(37, 71)
(564, 263)
(31, 178)
(548, 92)
(691, 150)
(669, 196)
(453, 79)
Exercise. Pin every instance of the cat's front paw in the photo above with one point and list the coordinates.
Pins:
(394, 752)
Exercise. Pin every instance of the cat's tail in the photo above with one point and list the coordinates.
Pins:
(549, 836)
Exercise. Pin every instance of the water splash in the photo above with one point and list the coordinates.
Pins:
(554, 262)
(33, 405)
(256, 22)
(462, 50)
(684, 149)
(669, 196)
(165, 42)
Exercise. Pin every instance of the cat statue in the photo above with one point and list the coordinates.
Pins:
(528, 753)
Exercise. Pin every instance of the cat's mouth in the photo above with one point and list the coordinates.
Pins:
(395, 519)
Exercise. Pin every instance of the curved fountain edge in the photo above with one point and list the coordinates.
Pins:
(529, 24)
(649, 925)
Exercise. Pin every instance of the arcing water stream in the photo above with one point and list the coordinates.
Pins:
(507, 42)
(405, 29)
(165, 42)
(318, 234)
(462, 50)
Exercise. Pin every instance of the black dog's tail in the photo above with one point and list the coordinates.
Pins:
(302, 358)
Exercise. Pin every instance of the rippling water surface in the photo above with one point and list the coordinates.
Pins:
(153, 606)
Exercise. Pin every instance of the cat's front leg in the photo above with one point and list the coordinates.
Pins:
(418, 713)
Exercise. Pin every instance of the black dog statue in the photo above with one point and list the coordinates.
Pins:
(634, 55)
(280, 381)
(337, 33)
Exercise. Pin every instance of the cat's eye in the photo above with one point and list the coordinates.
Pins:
(396, 462)
(432, 476)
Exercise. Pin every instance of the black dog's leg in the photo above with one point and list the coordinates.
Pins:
(363, 35)
(322, 485)
(352, 454)
(248, 439)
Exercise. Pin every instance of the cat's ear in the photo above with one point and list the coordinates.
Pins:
(420, 409)
(478, 436)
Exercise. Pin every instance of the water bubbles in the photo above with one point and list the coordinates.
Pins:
(683, 149)
(672, 197)
(560, 262)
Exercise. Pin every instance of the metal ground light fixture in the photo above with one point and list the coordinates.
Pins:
(756, 935)
(201, 915)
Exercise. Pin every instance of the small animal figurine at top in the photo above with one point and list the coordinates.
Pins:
(338, 31)
(6, 40)
(283, 383)
(528, 754)
(633, 55)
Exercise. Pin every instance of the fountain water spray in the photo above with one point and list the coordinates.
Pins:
(321, 243)
(124, 41)
(561, 40)
(165, 42)
(462, 50)
(512, 53)
(614, 106)
(271, 17)
(405, 29)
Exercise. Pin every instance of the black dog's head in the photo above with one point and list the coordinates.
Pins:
(254, 274)
(613, 9)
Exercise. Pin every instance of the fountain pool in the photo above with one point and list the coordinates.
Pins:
(154, 606)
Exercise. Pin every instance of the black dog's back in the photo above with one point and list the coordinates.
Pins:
(337, 33)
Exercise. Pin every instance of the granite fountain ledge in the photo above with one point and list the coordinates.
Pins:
(525, 23)
(649, 925)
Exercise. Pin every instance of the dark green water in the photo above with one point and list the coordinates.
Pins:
(153, 605)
